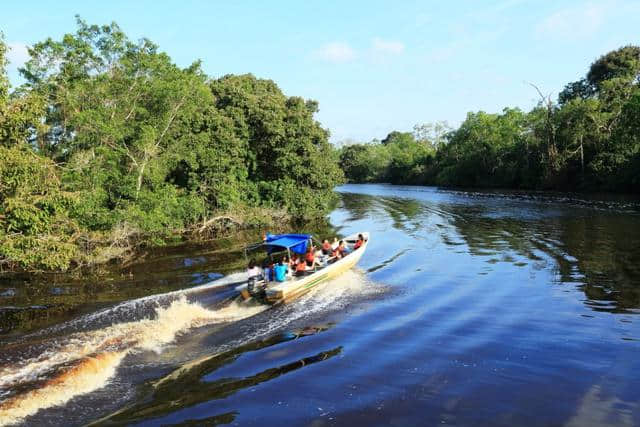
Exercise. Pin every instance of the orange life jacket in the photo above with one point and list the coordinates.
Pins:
(301, 266)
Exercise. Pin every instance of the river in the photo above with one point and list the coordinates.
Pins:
(468, 308)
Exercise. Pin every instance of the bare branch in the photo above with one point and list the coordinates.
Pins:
(546, 99)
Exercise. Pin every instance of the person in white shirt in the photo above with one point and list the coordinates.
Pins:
(253, 270)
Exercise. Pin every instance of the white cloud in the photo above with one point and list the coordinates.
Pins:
(339, 52)
(574, 22)
(336, 52)
(387, 47)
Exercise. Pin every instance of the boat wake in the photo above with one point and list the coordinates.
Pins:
(79, 362)
(84, 376)
(85, 361)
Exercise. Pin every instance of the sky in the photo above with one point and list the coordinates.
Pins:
(373, 66)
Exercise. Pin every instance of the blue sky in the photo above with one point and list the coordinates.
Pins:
(374, 66)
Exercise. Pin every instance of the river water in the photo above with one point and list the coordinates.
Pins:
(468, 308)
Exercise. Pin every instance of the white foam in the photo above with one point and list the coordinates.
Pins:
(95, 355)
(143, 335)
(132, 307)
(88, 375)
(334, 294)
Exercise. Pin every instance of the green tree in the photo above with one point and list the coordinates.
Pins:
(579, 89)
(287, 152)
(483, 151)
(140, 150)
(396, 137)
(433, 134)
(580, 135)
(408, 158)
(35, 228)
(621, 63)
(21, 112)
(365, 162)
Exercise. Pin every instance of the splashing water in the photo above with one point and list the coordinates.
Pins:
(88, 374)
(95, 355)
(332, 295)
(82, 362)
(131, 310)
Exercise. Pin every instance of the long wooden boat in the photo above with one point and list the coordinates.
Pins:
(294, 287)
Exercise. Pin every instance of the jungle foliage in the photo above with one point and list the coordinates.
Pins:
(589, 140)
(109, 142)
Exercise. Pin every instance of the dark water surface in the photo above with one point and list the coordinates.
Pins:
(468, 308)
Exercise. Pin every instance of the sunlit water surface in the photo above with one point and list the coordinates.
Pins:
(468, 308)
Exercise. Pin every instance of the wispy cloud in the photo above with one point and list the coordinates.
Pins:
(387, 47)
(340, 52)
(575, 22)
(336, 52)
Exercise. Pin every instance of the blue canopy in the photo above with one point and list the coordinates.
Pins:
(297, 243)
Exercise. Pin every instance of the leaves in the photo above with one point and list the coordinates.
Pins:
(108, 134)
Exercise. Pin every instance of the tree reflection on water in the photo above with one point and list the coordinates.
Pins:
(193, 383)
(596, 250)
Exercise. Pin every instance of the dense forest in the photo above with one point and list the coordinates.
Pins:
(587, 140)
(108, 144)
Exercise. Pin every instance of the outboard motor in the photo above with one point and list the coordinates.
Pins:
(256, 287)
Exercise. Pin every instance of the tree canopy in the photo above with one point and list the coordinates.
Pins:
(108, 141)
(588, 140)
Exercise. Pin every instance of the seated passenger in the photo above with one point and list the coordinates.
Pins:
(335, 254)
(326, 247)
(321, 258)
(301, 268)
(267, 266)
(280, 271)
(310, 257)
(293, 261)
(253, 270)
(287, 262)
(359, 243)
(340, 251)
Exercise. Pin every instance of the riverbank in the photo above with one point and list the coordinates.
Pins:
(99, 162)
(91, 253)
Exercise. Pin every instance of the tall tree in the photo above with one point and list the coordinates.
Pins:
(621, 63)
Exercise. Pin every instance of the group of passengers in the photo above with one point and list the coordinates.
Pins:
(302, 264)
